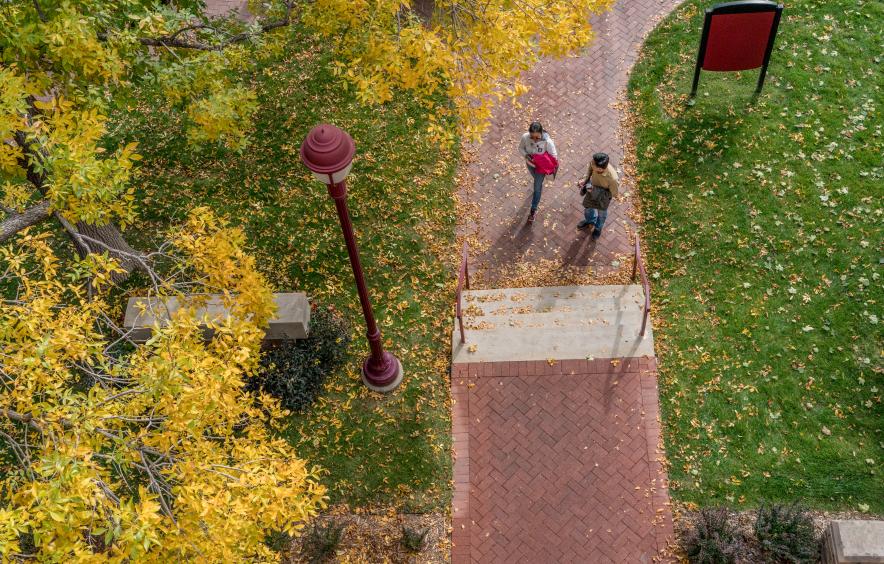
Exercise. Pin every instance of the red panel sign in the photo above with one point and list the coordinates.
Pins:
(738, 41)
(738, 36)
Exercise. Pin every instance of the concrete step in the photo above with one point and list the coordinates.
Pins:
(577, 318)
(555, 299)
(477, 309)
(519, 343)
(563, 322)
(539, 298)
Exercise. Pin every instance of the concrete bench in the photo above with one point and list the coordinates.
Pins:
(292, 319)
(853, 542)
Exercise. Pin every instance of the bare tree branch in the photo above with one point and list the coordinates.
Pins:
(193, 27)
(18, 221)
(20, 417)
(130, 391)
(21, 454)
(108, 492)
(40, 13)
(155, 486)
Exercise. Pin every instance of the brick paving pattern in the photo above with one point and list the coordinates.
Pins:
(575, 100)
(558, 463)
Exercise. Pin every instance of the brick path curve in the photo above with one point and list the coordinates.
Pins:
(559, 461)
(575, 100)
(239, 8)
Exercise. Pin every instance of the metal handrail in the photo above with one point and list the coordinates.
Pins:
(463, 278)
(640, 264)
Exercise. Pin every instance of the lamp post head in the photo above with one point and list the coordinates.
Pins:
(328, 152)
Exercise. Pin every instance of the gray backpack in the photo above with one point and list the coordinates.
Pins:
(596, 197)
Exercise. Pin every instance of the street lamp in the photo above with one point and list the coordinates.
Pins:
(328, 153)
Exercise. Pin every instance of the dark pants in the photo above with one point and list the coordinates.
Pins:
(538, 188)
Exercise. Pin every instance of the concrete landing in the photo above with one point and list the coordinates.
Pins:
(561, 322)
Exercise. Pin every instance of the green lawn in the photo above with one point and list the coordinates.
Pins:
(376, 450)
(763, 225)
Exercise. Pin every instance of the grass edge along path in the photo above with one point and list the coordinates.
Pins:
(763, 227)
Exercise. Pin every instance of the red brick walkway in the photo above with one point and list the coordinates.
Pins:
(575, 100)
(558, 463)
(239, 8)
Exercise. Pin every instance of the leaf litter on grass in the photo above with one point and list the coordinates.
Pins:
(761, 220)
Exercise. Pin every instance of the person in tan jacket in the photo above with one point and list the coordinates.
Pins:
(600, 187)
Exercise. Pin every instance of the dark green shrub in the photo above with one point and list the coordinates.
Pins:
(278, 541)
(321, 541)
(26, 544)
(785, 533)
(712, 539)
(414, 540)
(294, 372)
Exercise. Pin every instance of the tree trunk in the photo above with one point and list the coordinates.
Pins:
(424, 9)
(109, 235)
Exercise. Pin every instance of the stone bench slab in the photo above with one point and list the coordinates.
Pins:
(292, 319)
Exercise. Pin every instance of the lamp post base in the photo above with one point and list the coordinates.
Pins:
(385, 379)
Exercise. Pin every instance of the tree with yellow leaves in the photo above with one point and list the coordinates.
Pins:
(113, 450)
(458, 56)
(152, 452)
(64, 64)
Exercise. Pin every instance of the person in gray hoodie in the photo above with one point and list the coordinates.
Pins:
(534, 142)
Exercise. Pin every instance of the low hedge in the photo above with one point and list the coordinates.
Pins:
(294, 372)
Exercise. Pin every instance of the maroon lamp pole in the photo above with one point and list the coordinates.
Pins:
(328, 153)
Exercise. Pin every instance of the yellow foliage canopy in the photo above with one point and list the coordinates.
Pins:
(469, 52)
(152, 452)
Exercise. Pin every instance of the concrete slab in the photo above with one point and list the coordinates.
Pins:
(559, 298)
(292, 319)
